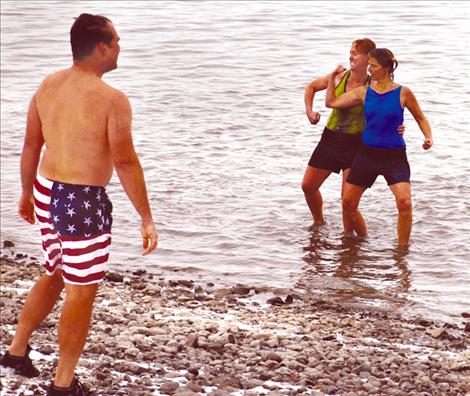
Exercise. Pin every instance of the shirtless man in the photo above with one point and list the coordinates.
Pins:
(86, 127)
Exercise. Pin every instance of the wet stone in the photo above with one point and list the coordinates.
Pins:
(114, 277)
(275, 301)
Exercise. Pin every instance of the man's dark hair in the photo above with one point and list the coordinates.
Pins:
(86, 32)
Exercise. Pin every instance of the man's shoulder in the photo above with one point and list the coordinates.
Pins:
(114, 94)
(53, 78)
(117, 100)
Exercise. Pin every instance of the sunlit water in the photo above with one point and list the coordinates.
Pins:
(219, 124)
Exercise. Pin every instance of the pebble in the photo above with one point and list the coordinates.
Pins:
(169, 387)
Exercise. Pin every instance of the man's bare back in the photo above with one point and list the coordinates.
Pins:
(86, 126)
(75, 108)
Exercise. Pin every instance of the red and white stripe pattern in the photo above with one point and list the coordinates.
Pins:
(82, 259)
(51, 245)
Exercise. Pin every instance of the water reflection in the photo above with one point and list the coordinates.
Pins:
(344, 267)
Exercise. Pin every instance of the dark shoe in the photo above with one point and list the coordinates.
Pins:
(21, 365)
(76, 389)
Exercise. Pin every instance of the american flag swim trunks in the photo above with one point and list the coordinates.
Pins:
(75, 222)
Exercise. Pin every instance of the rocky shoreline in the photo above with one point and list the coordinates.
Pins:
(152, 336)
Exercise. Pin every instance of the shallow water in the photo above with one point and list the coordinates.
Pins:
(219, 124)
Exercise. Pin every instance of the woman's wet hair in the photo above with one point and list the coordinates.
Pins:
(385, 58)
(364, 45)
(86, 32)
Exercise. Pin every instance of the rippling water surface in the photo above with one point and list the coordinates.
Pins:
(219, 124)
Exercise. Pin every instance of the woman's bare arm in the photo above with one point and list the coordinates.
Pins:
(345, 100)
(412, 105)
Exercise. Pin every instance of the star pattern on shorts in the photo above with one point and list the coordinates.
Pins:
(71, 228)
(80, 210)
(71, 212)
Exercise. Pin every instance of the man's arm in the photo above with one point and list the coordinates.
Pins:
(128, 166)
(314, 86)
(30, 155)
(413, 106)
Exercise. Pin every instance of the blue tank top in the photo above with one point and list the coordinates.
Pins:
(384, 115)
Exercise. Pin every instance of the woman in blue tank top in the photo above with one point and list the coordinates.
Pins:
(383, 150)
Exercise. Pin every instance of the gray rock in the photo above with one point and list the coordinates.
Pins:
(241, 290)
(195, 387)
(114, 277)
(192, 340)
(275, 301)
(124, 344)
(219, 392)
(273, 356)
(251, 383)
(225, 381)
(169, 387)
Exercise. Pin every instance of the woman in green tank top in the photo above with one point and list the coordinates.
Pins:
(350, 120)
(341, 137)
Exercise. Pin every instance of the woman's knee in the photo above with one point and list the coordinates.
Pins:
(309, 187)
(404, 204)
(349, 204)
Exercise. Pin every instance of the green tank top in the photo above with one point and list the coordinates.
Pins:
(350, 120)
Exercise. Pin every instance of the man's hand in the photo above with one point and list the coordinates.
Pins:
(313, 117)
(401, 129)
(150, 238)
(427, 144)
(26, 208)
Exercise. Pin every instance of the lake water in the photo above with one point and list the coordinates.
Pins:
(219, 124)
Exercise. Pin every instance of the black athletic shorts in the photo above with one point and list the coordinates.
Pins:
(371, 162)
(335, 151)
